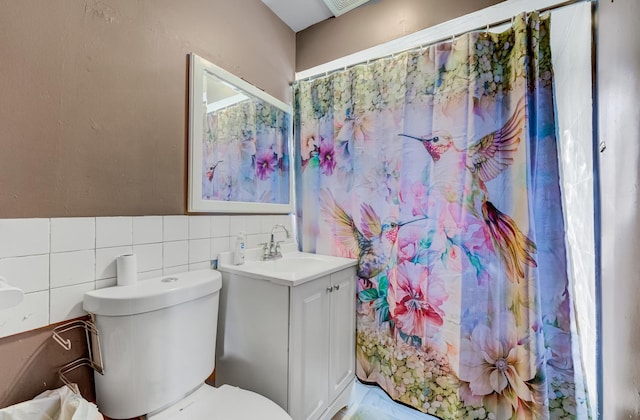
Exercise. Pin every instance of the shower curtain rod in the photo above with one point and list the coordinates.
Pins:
(485, 27)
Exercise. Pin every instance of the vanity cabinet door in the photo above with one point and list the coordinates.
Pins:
(309, 356)
(342, 344)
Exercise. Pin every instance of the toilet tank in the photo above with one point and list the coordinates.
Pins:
(158, 339)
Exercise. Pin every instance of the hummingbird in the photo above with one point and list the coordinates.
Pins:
(211, 169)
(373, 244)
(472, 167)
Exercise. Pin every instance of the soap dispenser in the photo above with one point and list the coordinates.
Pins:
(238, 252)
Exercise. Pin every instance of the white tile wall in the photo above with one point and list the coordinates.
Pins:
(55, 261)
(200, 266)
(69, 268)
(199, 250)
(149, 257)
(199, 227)
(114, 231)
(149, 274)
(73, 234)
(253, 241)
(101, 284)
(253, 225)
(31, 313)
(220, 226)
(106, 260)
(173, 270)
(21, 237)
(219, 245)
(176, 228)
(66, 302)
(147, 229)
(237, 224)
(267, 223)
(175, 253)
(31, 274)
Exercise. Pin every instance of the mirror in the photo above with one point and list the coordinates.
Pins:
(240, 145)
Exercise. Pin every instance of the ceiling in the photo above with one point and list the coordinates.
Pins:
(299, 14)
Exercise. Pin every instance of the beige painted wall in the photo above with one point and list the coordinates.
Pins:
(374, 23)
(93, 109)
(93, 112)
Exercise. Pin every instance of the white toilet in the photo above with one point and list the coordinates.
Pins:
(158, 340)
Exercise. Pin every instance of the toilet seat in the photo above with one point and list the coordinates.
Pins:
(223, 403)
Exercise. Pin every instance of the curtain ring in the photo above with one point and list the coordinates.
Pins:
(487, 31)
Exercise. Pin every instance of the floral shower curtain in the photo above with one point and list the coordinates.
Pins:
(437, 169)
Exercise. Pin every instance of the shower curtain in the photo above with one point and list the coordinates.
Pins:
(437, 169)
(244, 154)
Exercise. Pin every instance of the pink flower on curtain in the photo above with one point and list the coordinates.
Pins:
(266, 163)
(419, 199)
(409, 243)
(327, 157)
(498, 368)
(418, 298)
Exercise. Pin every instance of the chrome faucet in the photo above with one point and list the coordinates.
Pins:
(271, 250)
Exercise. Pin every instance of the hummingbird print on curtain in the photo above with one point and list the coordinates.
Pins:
(245, 154)
(437, 170)
(373, 246)
(484, 160)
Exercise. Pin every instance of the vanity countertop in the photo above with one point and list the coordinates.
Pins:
(292, 269)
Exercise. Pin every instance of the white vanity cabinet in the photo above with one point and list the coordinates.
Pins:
(322, 344)
(293, 343)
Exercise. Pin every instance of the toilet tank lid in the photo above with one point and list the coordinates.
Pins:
(153, 294)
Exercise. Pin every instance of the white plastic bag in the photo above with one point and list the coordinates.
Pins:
(57, 404)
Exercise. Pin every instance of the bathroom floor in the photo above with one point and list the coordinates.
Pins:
(369, 402)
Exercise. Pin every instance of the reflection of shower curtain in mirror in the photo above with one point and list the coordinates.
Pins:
(438, 170)
(245, 154)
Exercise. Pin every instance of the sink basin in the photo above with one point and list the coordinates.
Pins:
(291, 265)
(293, 268)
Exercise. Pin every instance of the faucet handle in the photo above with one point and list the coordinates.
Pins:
(278, 249)
(265, 250)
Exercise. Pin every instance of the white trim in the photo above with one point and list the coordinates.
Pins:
(226, 102)
(497, 13)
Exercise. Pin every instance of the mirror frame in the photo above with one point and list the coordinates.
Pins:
(198, 67)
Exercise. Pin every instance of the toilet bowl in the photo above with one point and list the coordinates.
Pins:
(158, 341)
